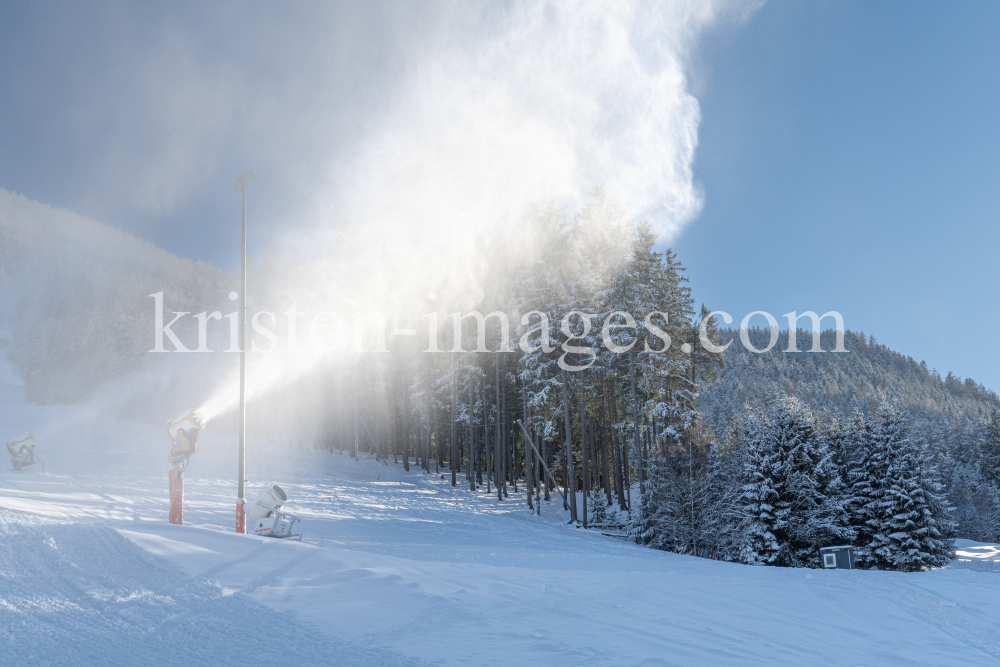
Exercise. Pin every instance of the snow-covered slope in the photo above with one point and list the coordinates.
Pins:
(399, 567)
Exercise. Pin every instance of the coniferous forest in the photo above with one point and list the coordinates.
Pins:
(756, 458)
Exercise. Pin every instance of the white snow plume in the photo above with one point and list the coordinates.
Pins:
(503, 108)
(542, 100)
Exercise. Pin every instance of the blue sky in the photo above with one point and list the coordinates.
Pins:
(850, 160)
(848, 152)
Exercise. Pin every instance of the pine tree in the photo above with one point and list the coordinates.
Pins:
(989, 449)
(652, 523)
(762, 520)
(793, 488)
(976, 504)
(910, 539)
(600, 516)
(897, 498)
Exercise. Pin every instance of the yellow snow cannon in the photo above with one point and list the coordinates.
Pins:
(266, 516)
(183, 433)
(22, 453)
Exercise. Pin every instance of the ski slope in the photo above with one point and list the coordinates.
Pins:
(399, 568)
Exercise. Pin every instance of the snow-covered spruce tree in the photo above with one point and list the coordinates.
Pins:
(653, 524)
(763, 520)
(989, 449)
(867, 477)
(935, 526)
(687, 507)
(976, 504)
(599, 516)
(793, 490)
(896, 498)
(910, 539)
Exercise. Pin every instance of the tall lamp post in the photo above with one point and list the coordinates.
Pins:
(241, 516)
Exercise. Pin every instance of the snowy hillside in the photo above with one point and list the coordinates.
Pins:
(75, 310)
(398, 568)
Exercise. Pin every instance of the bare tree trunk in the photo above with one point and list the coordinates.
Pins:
(592, 463)
(548, 462)
(628, 477)
(427, 447)
(453, 461)
(529, 469)
(497, 444)
(585, 455)
(570, 467)
(470, 446)
(605, 450)
(635, 422)
(616, 446)
(538, 488)
(652, 435)
(691, 490)
(508, 455)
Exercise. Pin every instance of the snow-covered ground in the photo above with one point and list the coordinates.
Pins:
(399, 568)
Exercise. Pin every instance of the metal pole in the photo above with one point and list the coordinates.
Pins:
(241, 492)
(241, 520)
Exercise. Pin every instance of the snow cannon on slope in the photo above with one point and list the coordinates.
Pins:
(22, 453)
(183, 433)
(266, 517)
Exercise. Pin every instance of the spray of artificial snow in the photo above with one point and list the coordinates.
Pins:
(538, 102)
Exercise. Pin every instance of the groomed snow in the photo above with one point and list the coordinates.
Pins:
(399, 568)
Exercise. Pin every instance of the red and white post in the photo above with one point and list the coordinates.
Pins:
(176, 497)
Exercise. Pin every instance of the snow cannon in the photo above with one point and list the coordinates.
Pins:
(22, 453)
(266, 517)
(183, 433)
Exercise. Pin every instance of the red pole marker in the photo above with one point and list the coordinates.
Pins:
(241, 516)
(176, 497)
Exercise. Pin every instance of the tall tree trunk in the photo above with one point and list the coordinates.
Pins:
(453, 461)
(427, 447)
(405, 434)
(528, 455)
(616, 446)
(570, 467)
(548, 461)
(498, 444)
(470, 446)
(691, 491)
(635, 421)
(506, 443)
(525, 420)
(584, 454)
(605, 448)
(482, 445)
(652, 436)
(354, 454)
